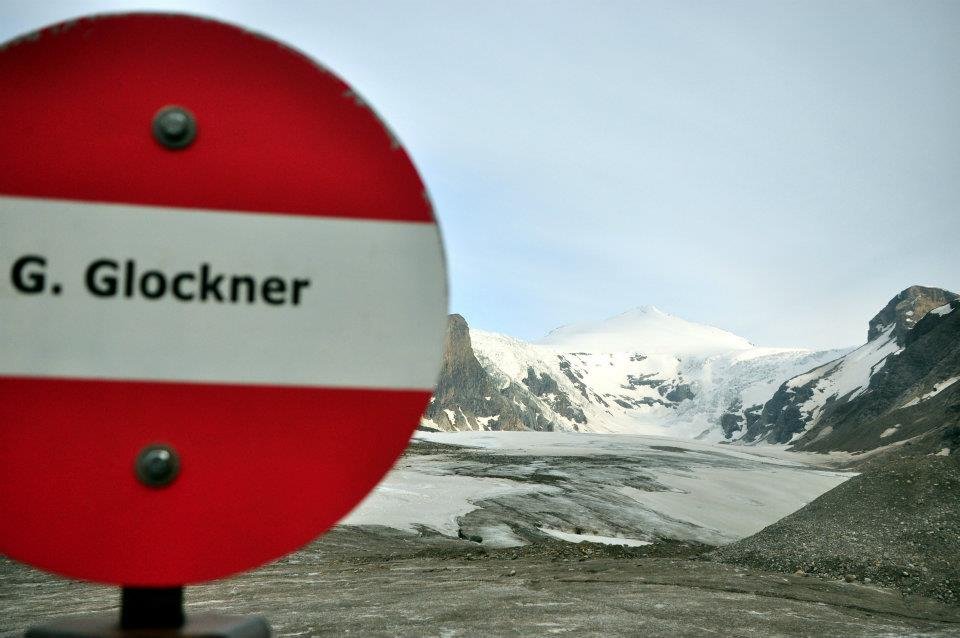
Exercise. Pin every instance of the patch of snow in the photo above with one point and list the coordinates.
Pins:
(944, 452)
(500, 536)
(890, 431)
(848, 456)
(937, 389)
(877, 367)
(484, 421)
(816, 373)
(943, 310)
(407, 498)
(451, 415)
(429, 423)
(593, 538)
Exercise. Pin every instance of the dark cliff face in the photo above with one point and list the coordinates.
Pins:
(467, 398)
(462, 379)
(906, 309)
(463, 383)
(781, 416)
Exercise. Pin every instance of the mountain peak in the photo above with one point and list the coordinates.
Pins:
(906, 309)
(644, 310)
(645, 329)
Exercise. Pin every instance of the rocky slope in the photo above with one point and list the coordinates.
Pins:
(644, 371)
(898, 389)
(468, 398)
(897, 524)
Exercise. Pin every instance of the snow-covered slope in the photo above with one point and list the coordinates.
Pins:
(734, 386)
(643, 372)
(797, 405)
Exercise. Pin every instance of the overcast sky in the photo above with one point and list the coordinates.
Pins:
(778, 169)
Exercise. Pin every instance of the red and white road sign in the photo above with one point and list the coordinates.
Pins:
(268, 301)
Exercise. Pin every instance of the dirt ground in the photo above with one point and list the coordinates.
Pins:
(374, 581)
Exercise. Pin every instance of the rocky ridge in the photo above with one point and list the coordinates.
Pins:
(899, 390)
(467, 398)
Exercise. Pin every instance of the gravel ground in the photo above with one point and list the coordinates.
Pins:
(897, 525)
(379, 582)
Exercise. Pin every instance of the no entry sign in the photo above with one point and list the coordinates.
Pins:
(222, 299)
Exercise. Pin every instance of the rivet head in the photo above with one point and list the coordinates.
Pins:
(157, 465)
(174, 127)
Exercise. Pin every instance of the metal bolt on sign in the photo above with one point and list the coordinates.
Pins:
(157, 465)
(174, 127)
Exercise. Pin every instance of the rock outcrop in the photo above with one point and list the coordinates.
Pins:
(468, 398)
(906, 309)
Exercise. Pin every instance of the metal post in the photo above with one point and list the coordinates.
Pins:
(151, 608)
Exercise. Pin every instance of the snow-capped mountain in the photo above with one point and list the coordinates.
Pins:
(647, 328)
(901, 386)
(644, 371)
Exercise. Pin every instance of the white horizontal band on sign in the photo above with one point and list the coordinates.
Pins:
(116, 291)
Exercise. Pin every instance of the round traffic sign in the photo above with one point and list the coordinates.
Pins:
(222, 300)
